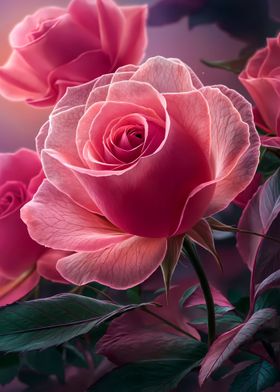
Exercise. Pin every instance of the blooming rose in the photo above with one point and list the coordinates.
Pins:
(261, 78)
(134, 158)
(20, 176)
(55, 48)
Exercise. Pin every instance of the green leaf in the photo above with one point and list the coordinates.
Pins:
(51, 321)
(269, 163)
(48, 362)
(269, 299)
(235, 66)
(134, 294)
(9, 366)
(187, 295)
(255, 378)
(153, 375)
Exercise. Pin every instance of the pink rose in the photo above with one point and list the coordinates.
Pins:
(246, 195)
(55, 48)
(261, 78)
(134, 158)
(20, 176)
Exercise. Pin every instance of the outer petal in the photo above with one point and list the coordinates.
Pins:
(243, 198)
(85, 13)
(55, 221)
(63, 42)
(235, 177)
(19, 80)
(92, 63)
(134, 40)
(271, 61)
(12, 290)
(266, 93)
(46, 265)
(19, 35)
(60, 135)
(165, 75)
(119, 266)
(22, 166)
(18, 251)
(111, 27)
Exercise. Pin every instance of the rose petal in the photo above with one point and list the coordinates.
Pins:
(134, 35)
(18, 251)
(18, 79)
(165, 75)
(18, 36)
(13, 290)
(185, 109)
(269, 88)
(242, 144)
(21, 165)
(119, 266)
(93, 63)
(55, 221)
(46, 265)
(62, 138)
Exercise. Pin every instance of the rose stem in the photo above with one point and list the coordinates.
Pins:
(194, 259)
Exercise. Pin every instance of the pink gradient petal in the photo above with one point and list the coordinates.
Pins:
(28, 162)
(18, 251)
(111, 27)
(185, 109)
(268, 107)
(55, 221)
(85, 13)
(64, 33)
(12, 290)
(119, 266)
(92, 63)
(239, 173)
(243, 198)
(254, 64)
(165, 75)
(134, 38)
(271, 60)
(19, 35)
(18, 79)
(61, 137)
(46, 265)
(141, 94)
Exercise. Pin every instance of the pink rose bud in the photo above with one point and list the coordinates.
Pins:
(134, 158)
(20, 176)
(59, 47)
(261, 78)
(22, 260)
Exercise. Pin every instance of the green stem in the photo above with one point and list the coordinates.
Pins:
(194, 259)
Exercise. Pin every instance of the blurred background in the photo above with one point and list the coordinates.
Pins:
(189, 29)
